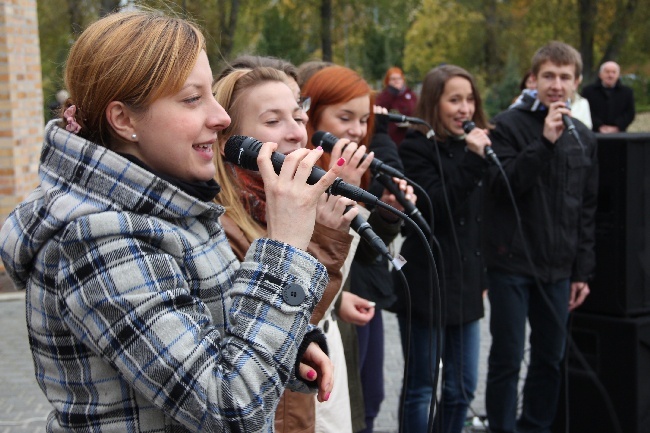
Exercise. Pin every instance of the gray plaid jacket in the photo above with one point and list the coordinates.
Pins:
(140, 318)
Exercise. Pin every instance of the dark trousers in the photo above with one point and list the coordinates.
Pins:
(371, 364)
(513, 299)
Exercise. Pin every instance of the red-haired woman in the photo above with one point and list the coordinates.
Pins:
(342, 104)
(397, 98)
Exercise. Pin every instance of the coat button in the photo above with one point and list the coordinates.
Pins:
(326, 326)
(478, 253)
(293, 294)
(461, 221)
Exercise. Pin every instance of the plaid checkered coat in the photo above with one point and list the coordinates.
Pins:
(140, 318)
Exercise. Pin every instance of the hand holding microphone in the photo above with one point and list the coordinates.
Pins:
(408, 204)
(327, 141)
(357, 161)
(384, 173)
(478, 141)
(570, 126)
(247, 152)
(290, 201)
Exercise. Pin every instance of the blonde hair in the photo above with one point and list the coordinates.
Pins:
(134, 57)
(228, 92)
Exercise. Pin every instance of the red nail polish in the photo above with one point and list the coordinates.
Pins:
(340, 162)
(319, 148)
(311, 374)
(327, 396)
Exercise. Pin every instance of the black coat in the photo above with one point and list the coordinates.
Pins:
(610, 107)
(464, 274)
(555, 188)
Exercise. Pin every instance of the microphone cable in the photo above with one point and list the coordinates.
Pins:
(327, 141)
(434, 296)
(412, 210)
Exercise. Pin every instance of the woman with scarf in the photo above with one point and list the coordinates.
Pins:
(140, 317)
(264, 106)
(342, 103)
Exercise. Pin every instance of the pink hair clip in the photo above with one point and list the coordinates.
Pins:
(68, 115)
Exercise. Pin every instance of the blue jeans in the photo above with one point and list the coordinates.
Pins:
(513, 299)
(459, 376)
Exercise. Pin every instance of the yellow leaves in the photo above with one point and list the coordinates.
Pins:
(442, 32)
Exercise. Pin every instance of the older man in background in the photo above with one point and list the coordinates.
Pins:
(611, 103)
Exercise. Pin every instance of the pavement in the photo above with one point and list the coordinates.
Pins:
(24, 408)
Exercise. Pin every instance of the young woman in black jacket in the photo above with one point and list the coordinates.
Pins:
(451, 170)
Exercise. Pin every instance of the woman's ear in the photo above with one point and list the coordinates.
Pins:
(121, 120)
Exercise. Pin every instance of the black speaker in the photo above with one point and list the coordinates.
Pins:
(621, 286)
(616, 385)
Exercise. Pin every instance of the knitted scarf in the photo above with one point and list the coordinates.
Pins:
(251, 193)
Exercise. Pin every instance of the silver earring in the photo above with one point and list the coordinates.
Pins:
(133, 136)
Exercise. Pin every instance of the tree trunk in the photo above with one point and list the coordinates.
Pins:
(587, 16)
(623, 20)
(228, 25)
(493, 64)
(326, 29)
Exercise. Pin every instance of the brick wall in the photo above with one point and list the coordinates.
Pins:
(21, 103)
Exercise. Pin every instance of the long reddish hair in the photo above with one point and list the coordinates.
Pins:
(336, 85)
(392, 70)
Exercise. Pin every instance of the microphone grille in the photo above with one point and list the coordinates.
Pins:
(241, 153)
(324, 139)
(468, 125)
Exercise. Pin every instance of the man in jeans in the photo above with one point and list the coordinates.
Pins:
(540, 259)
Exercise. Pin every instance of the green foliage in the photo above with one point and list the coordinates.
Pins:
(493, 39)
(279, 38)
(431, 41)
(640, 85)
(499, 97)
(378, 53)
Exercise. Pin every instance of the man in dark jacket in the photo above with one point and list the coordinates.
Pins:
(611, 103)
(540, 258)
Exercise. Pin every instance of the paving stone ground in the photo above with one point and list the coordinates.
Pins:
(24, 408)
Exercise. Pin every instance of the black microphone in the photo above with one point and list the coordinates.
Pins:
(468, 125)
(327, 142)
(243, 151)
(571, 129)
(410, 209)
(366, 232)
(568, 123)
(401, 118)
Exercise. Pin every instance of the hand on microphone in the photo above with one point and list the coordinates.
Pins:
(478, 141)
(290, 200)
(554, 124)
(391, 199)
(336, 212)
(357, 163)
